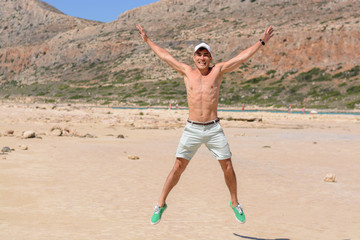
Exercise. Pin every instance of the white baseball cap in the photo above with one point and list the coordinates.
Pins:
(202, 45)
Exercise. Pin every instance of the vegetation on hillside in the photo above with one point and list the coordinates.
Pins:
(311, 62)
(316, 88)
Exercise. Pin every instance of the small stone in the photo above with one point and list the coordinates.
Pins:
(67, 132)
(9, 132)
(330, 177)
(29, 134)
(23, 147)
(88, 135)
(5, 149)
(266, 146)
(120, 136)
(133, 157)
(56, 132)
(240, 134)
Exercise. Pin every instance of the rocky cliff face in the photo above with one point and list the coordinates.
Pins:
(26, 28)
(31, 22)
(39, 44)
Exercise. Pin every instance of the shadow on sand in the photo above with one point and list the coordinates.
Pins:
(255, 238)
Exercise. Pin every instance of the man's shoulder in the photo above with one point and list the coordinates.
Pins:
(218, 65)
(188, 68)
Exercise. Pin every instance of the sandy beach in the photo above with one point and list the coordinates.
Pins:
(83, 186)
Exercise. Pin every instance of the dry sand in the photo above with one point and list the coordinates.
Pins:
(71, 187)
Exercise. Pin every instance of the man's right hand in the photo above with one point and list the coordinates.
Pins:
(142, 33)
(163, 54)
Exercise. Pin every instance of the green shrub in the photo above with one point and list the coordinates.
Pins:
(257, 80)
(295, 88)
(63, 86)
(330, 93)
(308, 76)
(291, 72)
(270, 72)
(349, 73)
(276, 82)
(78, 97)
(313, 92)
(41, 94)
(351, 105)
(314, 75)
(353, 90)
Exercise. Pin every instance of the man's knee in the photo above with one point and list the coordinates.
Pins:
(180, 165)
(226, 165)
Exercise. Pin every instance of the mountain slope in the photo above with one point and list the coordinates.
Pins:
(30, 22)
(310, 61)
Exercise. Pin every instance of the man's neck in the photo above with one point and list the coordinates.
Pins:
(205, 71)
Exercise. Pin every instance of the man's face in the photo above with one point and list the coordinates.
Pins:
(202, 58)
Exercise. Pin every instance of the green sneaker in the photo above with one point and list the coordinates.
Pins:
(239, 213)
(156, 217)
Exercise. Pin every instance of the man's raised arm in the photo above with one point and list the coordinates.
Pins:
(163, 54)
(235, 62)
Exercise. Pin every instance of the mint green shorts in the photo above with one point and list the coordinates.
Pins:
(211, 135)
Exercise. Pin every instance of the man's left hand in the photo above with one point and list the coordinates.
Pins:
(269, 32)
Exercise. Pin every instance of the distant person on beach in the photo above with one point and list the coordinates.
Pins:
(203, 125)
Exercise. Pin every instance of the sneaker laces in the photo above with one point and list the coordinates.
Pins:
(238, 208)
(157, 209)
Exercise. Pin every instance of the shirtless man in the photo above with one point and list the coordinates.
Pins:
(202, 86)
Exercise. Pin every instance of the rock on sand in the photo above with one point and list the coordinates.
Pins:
(5, 149)
(23, 147)
(133, 157)
(29, 134)
(330, 177)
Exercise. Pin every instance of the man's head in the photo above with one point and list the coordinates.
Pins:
(202, 45)
(202, 56)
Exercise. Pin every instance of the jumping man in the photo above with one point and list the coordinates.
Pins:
(203, 125)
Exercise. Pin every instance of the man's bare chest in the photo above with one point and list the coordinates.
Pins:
(200, 84)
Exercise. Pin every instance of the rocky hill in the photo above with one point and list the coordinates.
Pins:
(311, 61)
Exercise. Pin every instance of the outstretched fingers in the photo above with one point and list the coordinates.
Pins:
(140, 28)
(142, 32)
(269, 33)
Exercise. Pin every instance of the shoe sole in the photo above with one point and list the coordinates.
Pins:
(240, 221)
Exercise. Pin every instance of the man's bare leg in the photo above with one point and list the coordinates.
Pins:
(230, 179)
(173, 179)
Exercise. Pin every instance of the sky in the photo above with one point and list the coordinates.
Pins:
(98, 10)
